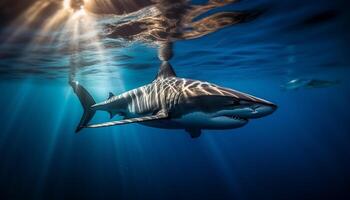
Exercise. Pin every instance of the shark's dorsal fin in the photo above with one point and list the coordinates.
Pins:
(160, 115)
(165, 71)
(110, 95)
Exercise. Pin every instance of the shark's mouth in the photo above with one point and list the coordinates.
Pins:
(236, 117)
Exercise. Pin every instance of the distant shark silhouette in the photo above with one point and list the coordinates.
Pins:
(176, 103)
(298, 83)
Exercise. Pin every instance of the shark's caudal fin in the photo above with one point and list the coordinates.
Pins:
(86, 101)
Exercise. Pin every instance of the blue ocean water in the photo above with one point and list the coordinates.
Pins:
(299, 152)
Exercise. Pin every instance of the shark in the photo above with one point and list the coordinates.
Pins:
(298, 83)
(171, 102)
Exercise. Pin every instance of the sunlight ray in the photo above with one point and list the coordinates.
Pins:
(21, 94)
(53, 138)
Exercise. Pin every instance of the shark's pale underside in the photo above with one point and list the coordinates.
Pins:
(171, 102)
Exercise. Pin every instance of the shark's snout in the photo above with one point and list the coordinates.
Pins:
(240, 107)
(261, 110)
(250, 107)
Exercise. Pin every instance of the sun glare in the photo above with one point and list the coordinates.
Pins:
(66, 4)
(80, 13)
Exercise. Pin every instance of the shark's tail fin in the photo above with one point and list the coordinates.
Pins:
(86, 101)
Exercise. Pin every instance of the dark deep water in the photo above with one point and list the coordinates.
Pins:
(299, 152)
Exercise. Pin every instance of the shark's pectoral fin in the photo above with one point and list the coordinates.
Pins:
(159, 115)
(194, 132)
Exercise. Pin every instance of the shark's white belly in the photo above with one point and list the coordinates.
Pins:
(198, 120)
